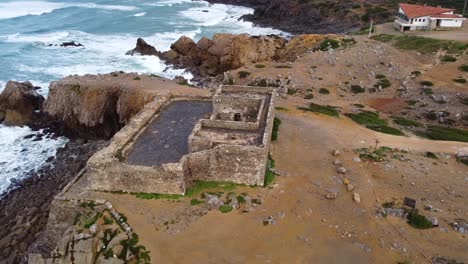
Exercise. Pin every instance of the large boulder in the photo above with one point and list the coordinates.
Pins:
(18, 103)
(143, 48)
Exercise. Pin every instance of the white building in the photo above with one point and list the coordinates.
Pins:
(418, 17)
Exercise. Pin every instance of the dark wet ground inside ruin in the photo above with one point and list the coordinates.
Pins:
(166, 138)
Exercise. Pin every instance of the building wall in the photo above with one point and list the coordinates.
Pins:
(451, 23)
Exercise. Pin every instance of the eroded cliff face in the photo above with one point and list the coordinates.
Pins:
(212, 57)
(90, 107)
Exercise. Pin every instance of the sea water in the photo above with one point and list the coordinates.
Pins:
(31, 33)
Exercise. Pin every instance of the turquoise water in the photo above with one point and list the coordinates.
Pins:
(30, 31)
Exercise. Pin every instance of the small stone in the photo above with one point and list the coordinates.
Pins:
(336, 152)
(356, 159)
(270, 220)
(331, 195)
(345, 181)
(341, 170)
(350, 187)
(356, 197)
(337, 162)
(93, 229)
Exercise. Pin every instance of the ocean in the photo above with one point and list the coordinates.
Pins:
(31, 33)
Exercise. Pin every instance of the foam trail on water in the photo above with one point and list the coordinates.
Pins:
(139, 14)
(20, 155)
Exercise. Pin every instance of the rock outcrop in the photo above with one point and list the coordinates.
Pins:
(229, 51)
(143, 48)
(91, 108)
(18, 102)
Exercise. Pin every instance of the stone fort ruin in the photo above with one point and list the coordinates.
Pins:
(175, 141)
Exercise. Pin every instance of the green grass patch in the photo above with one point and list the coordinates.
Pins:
(384, 83)
(136, 78)
(460, 80)
(156, 196)
(448, 58)
(372, 121)
(377, 155)
(418, 221)
(412, 102)
(195, 202)
(200, 186)
(292, 91)
(416, 73)
(269, 175)
(463, 68)
(243, 74)
(445, 134)
(280, 108)
(422, 44)
(428, 91)
(275, 131)
(259, 66)
(321, 109)
(328, 44)
(431, 155)
(357, 89)
(359, 105)
(108, 221)
(380, 76)
(406, 122)
(426, 83)
(309, 97)
(465, 101)
(225, 208)
(324, 91)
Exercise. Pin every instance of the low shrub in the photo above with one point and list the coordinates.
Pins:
(280, 108)
(137, 78)
(269, 174)
(359, 105)
(309, 97)
(372, 121)
(426, 83)
(326, 110)
(328, 44)
(445, 134)
(465, 101)
(463, 68)
(448, 58)
(416, 73)
(324, 91)
(428, 91)
(275, 131)
(283, 67)
(460, 80)
(291, 91)
(195, 202)
(380, 76)
(431, 155)
(243, 74)
(259, 66)
(357, 89)
(418, 221)
(156, 196)
(384, 83)
(406, 122)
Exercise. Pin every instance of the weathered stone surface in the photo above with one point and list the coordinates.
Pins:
(18, 102)
(143, 48)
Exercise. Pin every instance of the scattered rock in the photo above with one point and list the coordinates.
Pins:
(356, 198)
(213, 201)
(270, 220)
(331, 195)
(336, 152)
(349, 187)
(143, 48)
(341, 170)
(71, 44)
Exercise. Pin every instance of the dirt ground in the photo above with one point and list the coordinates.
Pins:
(309, 227)
(458, 34)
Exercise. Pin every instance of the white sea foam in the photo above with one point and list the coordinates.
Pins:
(168, 2)
(45, 37)
(2, 85)
(139, 14)
(14, 9)
(19, 155)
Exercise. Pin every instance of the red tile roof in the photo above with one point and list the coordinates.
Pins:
(447, 16)
(413, 11)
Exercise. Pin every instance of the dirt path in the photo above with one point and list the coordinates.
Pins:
(458, 35)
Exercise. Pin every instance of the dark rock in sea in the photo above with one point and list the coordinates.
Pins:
(71, 44)
(18, 103)
(143, 48)
(24, 209)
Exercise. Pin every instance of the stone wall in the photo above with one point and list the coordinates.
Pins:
(226, 106)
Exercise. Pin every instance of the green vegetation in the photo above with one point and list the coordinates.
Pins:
(412, 102)
(108, 221)
(309, 97)
(280, 108)
(428, 91)
(372, 121)
(114, 74)
(137, 78)
(357, 89)
(388, 204)
(463, 68)
(376, 12)
(328, 44)
(92, 220)
(445, 133)
(292, 91)
(416, 73)
(324, 91)
(156, 196)
(259, 66)
(460, 80)
(380, 76)
(283, 67)
(195, 202)
(376, 155)
(448, 58)
(384, 83)
(263, 83)
(431, 155)
(243, 74)
(275, 131)
(225, 208)
(359, 105)
(326, 110)
(142, 255)
(421, 44)
(426, 83)
(269, 174)
(154, 76)
(200, 186)
(91, 205)
(465, 101)
(406, 122)
(418, 221)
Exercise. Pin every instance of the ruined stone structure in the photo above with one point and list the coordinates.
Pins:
(175, 141)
